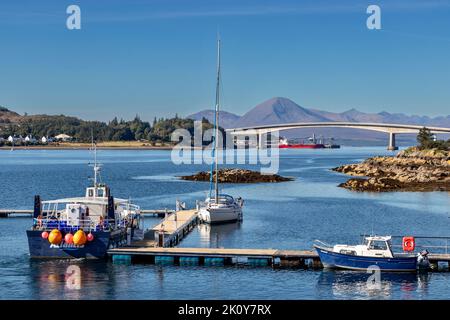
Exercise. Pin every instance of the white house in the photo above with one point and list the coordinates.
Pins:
(63, 137)
(30, 139)
(44, 139)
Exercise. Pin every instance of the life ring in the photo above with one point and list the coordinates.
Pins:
(409, 244)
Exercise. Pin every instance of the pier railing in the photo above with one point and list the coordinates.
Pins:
(85, 224)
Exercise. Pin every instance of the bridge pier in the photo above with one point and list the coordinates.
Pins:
(392, 145)
(260, 141)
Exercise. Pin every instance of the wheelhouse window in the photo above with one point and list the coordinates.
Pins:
(378, 245)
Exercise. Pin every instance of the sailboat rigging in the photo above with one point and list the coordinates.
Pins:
(219, 208)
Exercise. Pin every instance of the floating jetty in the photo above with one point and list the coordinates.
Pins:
(217, 256)
(170, 231)
(220, 256)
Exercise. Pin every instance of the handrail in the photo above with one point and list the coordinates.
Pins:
(321, 243)
(85, 224)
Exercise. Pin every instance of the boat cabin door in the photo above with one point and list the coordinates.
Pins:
(379, 248)
(160, 239)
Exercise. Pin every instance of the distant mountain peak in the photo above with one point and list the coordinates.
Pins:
(226, 119)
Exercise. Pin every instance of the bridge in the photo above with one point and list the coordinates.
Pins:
(389, 128)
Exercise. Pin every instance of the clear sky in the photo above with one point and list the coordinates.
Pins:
(157, 57)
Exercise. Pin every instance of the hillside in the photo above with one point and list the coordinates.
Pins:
(226, 119)
(8, 116)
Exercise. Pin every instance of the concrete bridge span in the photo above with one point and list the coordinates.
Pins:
(390, 128)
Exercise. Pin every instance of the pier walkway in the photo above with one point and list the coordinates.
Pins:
(205, 256)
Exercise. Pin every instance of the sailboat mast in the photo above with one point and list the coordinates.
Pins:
(216, 181)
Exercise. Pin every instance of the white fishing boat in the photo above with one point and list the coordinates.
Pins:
(219, 208)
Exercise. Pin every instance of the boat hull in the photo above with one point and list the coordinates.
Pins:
(220, 215)
(302, 146)
(336, 260)
(96, 249)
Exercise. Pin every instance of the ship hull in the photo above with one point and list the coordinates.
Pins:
(220, 215)
(334, 260)
(302, 146)
(96, 249)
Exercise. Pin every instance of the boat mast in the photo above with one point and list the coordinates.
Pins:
(96, 166)
(216, 181)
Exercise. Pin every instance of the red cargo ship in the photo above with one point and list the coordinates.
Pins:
(285, 144)
(302, 146)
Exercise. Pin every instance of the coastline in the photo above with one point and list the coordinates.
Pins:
(133, 145)
(409, 170)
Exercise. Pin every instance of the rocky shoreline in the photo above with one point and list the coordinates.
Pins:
(238, 176)
(409, 170)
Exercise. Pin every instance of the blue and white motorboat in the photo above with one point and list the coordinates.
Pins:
(375, 251)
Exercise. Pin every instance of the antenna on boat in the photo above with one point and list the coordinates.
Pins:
(96, 165)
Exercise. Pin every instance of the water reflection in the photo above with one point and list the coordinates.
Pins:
(213, 236)
(357, 285)
(71, 279)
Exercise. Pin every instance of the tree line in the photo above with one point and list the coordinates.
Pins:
(427, 140)
(115, 130)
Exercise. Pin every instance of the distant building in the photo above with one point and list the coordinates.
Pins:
(44, 140)
(30, 139)
(63, 137)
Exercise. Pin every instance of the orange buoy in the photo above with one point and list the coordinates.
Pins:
(409, 244)
(44, 235)
(79, 238)
(68, 238)
(55, 237)
(90, 236)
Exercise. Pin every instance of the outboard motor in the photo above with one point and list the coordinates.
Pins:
(422, 260)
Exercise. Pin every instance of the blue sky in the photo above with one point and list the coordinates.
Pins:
(157, 57)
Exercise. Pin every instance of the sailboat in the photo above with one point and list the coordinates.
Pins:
(219, 207)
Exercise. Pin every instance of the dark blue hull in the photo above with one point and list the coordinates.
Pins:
(96, 249)
(332, 259)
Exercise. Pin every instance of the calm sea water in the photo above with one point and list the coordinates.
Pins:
(283, 216)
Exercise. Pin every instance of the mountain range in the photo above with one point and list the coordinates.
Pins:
(281, 110)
